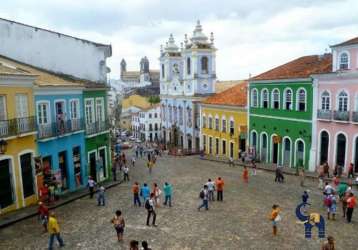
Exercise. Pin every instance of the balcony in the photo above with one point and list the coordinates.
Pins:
(59, 128)
(324, 114)
(355, 116)
(97, 127)
(17, 126)
(341, 116)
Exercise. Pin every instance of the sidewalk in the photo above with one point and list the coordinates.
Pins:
(27, 212)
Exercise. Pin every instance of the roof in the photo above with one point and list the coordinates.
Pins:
(302, 67)
(348, 42)
(6, 69)
(154, 106)
(221, 86)
(234, 96)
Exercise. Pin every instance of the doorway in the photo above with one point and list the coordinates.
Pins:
(341, 150)
(286, 152)
(62, 163)
(102, 158)
(6, 189)
(324, 147)
(242, 143)
(27, 175)
(92, 165)
(264, 148)
(274, 152)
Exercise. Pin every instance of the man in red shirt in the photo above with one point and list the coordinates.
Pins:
(135, 190)
(220, 188)
(351, 203)
(43, 214)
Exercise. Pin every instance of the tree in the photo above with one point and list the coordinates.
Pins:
(154, 99)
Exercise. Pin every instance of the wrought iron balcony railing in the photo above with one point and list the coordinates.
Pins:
(341, 115)
(59, 128)
(355, 116)
(324, 114)
(17, 126)
(97, 127)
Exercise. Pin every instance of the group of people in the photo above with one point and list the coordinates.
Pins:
(121, 164)
(207, 192)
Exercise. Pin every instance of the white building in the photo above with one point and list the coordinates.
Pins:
(187, 75)
(53, 51)
(146, 124)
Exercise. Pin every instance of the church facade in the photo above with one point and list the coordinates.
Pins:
(187, 76)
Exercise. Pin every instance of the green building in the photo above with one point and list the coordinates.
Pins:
(98, 149)
(280, 111)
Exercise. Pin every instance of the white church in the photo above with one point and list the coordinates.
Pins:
(187, 75)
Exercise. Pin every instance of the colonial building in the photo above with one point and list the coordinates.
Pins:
(130, 106)
(280, 112)
(18, 186)
(224, 122)
(335, 109)
(187, 75)
(146, 124)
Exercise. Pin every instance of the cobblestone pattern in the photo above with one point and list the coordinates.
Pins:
(240, 222)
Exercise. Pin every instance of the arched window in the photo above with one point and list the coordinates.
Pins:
(175, 114)
(288, 99)
(325, 100)
(301, 100)
(254, 100)
(276, 99)
(223, 125)
(156, 126)
(204, 65)
(341, 150)
(163, 71)
(253, 139)
(150, 127)
(300, 154)
(343, 61)
(217, 123)
(180, 115)
(204, 122)
(232, 127)
(264, 98)
(343, 101)
(188, 66)
(170, 111)
(210, 121)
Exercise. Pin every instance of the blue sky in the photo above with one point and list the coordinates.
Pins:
(251, 36)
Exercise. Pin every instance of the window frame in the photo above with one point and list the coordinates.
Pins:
(324, 100)
(273, 101)
(298, 100)
(48, 112)
(285, 98)
(254, 93)
(263, 101)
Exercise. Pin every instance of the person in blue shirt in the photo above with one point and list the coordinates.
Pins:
(168, 191)
(145, 192)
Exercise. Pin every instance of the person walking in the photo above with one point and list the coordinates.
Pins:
(43, 215)
(254, 167)
(326, 169)
(245, 175)
(204, 196)
(54, 231)
(302, 177)
(145, 246)
(145, 192)
(211, 189)
(157, 192)
(133, 161)
(150, 166)
(150, 206)
(350, 171)
(219, 189)
(101, 201)
(275, 218)
(320, 177)
(329, 244)
(114, 172)
(91, 185)
(168, 191)
(231, 161)
(119, 224)
(133, 245)
(135, 190)
(125, 173)
(351, 203)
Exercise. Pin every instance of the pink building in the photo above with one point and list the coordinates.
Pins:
(335, 110)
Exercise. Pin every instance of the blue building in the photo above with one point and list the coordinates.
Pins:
(187, 75)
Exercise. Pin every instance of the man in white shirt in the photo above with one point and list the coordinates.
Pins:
(150, 206)
(211, 189)
(91, 185)
(126, 173)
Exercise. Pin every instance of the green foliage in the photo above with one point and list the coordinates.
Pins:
(154, 99)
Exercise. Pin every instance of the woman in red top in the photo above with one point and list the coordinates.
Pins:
(44, 193)
(43, 215)
(351, 203)
(245, 175)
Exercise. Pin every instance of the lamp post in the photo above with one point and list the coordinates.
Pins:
(3, 146)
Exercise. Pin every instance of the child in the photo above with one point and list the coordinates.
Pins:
(333, 207)
(245, 175)
(275, 218)
(100, 197)
(157, 192)
(118, 223)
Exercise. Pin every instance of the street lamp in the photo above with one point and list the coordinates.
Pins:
(3, 145)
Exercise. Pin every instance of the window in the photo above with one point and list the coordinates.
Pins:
(189, 111)
(204, 143)
(170, 113)
(223, 126)
(163, 72)
(156, 127)
(74, 112)
(210, 122)
(99, 109)
(254, 98)
(343, 61)
(301, 100)
(150, 127)
(181, 116)
(204, 65)
(264, 98)
(288, 99)
(2, 107)
(164, 113)
(275, 99)
(223, 147)
(175, 114)
(43, 113)
(325, 100)
(89, 111)
(155, 115)
(343, 102)
(150, 116)
(21, 106)
(216, 123)
(188, 66)
(204, 122)
(217, 146)
(232, 130)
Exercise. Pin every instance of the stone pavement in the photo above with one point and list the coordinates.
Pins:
(240, 222)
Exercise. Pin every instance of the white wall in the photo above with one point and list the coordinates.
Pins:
(53, 51)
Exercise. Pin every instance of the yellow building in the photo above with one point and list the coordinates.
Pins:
(18, 186)
(138, 101)
(224, 122)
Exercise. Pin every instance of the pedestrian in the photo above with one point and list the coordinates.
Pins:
(305, 197)
(145, 192)
(133, 161)
(320, 177)
(126, 173)
(168, 191)
(91, 185)
(133, 245)
(254, 167)
(145, 246)
(219, 189)
(275, 218)
(204, 196)
(211, 189)
(350, 171)
(101, 201)
(157, 192)
(54, 231)
(231, 161)
(333, 208)
(340, 171)
(351, 203)
(328, 203)
(135, 190)
(114, 171)
(245, 175)
(302, 177)
(335, 170)
(329, 245)
(326, 169)
(136, 152)
(44, 194)
(150, 206)
(344, 200)
(328, 189)
(150, 166)
(43, 215)
(119, 224)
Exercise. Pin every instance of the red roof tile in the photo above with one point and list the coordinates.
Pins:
(348, 42)
(302, 67)
(236, 96)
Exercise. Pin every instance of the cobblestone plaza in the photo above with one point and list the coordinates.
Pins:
(239, 222)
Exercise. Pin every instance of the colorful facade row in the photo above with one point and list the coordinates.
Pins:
(53, 131)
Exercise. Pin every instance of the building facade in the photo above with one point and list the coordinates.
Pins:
(224, 122)
(18, 185)
(335, 110)
(187, 75)
(280, 112)
(148, 124)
